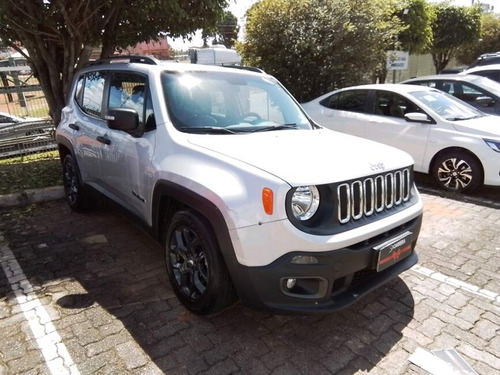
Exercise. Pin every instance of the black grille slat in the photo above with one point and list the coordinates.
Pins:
(372, 195)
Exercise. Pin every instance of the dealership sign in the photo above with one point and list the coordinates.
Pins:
(397, 60)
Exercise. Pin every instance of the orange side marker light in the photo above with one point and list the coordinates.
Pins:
(267, 200)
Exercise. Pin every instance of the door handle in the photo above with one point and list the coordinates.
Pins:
(74, 127)
(104, 140)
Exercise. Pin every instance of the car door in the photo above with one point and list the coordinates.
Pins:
(345, 111)
(88, 124)
(127, 155)
(390, 127)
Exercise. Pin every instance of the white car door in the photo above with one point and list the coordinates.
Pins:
(87, 124)
(344, 111)
(127, 156)
(388, 126)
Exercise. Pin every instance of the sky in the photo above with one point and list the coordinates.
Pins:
(239, 7)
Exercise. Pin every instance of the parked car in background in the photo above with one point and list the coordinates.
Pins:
(480, 92)
(15, 127)
(486, 59)
(7, 119)
(453, 141)
(488, 71)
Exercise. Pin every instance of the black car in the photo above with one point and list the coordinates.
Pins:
(480, 92)
(486, 59)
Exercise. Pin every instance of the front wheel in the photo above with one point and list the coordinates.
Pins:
(195, 265)
(457, 171)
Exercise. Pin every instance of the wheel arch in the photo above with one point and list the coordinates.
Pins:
(168, 197)
(456, 149)
(65, 147)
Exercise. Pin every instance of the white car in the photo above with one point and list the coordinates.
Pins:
(489, 71)
(453, 141)
(245, 193)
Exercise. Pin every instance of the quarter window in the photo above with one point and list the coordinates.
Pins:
(93, 93)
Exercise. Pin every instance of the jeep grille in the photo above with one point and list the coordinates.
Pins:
(363, 198)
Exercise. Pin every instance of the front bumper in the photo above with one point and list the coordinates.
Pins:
(342, 276)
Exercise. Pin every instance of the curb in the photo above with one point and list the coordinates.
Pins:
(31, 196)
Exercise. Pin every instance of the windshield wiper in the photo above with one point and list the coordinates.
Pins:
(208, 129)
(463, 118)
(275, 127)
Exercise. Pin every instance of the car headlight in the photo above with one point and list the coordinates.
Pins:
(494, 145)
(305, 202)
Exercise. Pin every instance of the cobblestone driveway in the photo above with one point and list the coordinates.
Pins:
(111, 310)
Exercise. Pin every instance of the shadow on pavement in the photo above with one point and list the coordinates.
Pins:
(89, 262)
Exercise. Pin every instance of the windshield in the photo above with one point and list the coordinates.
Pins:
(447, 106)
(490, 85)
(227, 103)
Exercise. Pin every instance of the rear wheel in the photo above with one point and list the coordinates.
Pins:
(76, 196)
(457, 171)
(195, 265)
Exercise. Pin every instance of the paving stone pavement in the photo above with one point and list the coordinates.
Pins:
(103, 284)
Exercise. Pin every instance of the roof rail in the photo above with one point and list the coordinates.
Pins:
(131, 59)
(250, 68)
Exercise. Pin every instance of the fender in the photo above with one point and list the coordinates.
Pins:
(60, 140)
(198, 203)
(214, 217)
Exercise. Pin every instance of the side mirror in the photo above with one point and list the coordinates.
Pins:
(125, 119)
(418, 117)
(484, 101)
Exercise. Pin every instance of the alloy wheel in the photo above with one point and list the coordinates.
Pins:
(455, 174)
(188, 261)
(70, 183)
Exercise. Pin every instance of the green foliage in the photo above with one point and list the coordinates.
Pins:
(416, 17)
(314, 46)
(453, 28)
(225, 32)
(489, 42)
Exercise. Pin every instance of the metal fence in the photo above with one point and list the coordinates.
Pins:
(26, 138)
(25, 127)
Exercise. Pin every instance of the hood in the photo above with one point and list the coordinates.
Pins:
(483, 126)
(307, 157)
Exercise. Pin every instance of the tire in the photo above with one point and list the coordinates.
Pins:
(457, 171)
(78, 200)
(195, 265)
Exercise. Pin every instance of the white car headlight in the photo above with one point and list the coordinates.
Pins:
(494, 145)
(305, 202)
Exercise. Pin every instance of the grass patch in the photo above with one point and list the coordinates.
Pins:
(30, 172)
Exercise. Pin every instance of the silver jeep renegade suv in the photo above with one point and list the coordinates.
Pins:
(249, 197)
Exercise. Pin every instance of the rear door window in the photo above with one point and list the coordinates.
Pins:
(352, 101)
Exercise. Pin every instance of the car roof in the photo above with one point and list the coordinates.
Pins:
(396, 87)
(483, 67)
(165, 66)
(447, 77)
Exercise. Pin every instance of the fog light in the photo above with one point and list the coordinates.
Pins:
(304, 259)
(290, 283)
